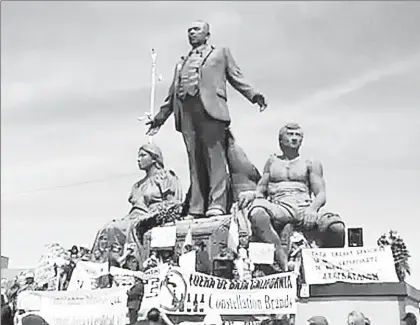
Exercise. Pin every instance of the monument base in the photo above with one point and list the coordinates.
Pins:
(382, 303)
(213, 232)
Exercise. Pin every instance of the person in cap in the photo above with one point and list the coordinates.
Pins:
(317, 320)
(409, 319)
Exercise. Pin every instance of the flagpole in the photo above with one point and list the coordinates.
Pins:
(153, 87)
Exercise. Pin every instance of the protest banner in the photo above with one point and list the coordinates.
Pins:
(152, 282)
(123, 277)
(85, 275)
(94, 307)
(185, 292)
(351, 265)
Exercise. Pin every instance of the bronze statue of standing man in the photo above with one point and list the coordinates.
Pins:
(197, 97)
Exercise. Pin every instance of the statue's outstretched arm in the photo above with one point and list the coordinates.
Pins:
(317, 184)
(168, 106)
(235, 77)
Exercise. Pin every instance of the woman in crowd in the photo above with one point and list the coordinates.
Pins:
(155, 199)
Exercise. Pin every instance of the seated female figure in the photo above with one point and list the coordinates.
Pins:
(155, 199)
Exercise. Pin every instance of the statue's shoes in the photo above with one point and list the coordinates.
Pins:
(192, 216)
(214, 212)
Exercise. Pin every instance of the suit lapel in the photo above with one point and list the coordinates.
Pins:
(206, 53)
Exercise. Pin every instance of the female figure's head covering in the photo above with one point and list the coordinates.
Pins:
(154, 151)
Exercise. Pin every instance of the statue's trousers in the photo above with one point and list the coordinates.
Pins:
(205, 139)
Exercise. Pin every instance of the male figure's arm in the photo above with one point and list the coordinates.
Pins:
(167, 108)
(246, 198)
(317, 184)
(235, 77)
(261, 189)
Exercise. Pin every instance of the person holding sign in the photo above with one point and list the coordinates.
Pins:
(291, 191)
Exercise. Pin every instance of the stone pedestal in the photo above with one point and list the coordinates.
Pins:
(382, 303)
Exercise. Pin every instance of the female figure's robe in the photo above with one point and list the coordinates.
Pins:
(153, 199)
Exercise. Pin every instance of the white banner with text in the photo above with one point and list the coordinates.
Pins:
(94, 307)
(351, 265)
(185, 292)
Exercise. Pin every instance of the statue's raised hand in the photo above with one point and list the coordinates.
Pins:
(260, 100)
(245, 199)
(154, 127)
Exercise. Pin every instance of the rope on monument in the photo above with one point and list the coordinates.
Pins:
(56, 187)
(148, 117)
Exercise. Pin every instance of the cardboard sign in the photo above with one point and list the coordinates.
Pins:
(162, 237)
(187, 261)
(350, 265)
(261, 253)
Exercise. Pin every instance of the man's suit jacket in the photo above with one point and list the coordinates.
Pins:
(218, 66)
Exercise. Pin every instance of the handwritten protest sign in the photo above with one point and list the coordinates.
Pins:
(352, 265)
(261, 253)
(163, 237)
(105, 306)
(85, 275)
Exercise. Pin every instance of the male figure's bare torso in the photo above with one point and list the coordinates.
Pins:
(288, 177)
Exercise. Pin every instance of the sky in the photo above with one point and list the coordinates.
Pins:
(76, 75)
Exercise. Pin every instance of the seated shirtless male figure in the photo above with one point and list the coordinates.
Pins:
(291, 192)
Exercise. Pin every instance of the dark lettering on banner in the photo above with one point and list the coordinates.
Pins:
(202, 281)
(276, 304)
(250, 303)
(272, 283)
(153, 290)
(350, 276)
(372, 259)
